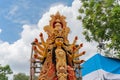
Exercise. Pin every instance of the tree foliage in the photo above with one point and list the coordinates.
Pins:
(4, 71)
(101, 22)
(21, 76)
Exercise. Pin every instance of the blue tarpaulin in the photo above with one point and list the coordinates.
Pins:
(100, 67)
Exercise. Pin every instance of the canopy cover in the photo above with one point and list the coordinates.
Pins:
(100, 67)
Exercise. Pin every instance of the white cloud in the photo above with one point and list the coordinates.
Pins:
(17, 55)
(0, 30)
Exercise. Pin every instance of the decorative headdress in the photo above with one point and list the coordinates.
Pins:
(57, 28)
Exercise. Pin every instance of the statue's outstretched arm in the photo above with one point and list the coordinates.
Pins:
(78, 61)
(80, 54)
(76, 49)
(42, 40)
(38, 44)
(36, 56)
(75, 40)
(38, 51)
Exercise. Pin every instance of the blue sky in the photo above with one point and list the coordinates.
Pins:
(15, 13)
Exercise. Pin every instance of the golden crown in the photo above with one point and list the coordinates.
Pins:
(57, 28)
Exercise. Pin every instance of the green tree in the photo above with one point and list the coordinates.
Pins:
(4, 71)
(21, 76)
(101, 22)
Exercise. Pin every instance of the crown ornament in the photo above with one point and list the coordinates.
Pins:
(57, 28)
